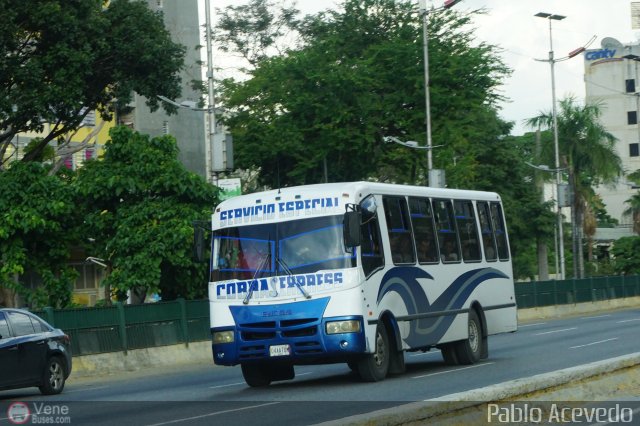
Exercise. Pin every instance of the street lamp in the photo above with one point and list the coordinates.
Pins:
(551, 17)
(425, 44)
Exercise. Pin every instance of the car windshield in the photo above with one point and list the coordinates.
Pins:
(293, 247)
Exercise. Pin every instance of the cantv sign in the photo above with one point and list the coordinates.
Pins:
(594, 55)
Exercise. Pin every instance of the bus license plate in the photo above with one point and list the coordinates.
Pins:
(280, 350)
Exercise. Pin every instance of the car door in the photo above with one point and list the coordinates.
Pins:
(32, 347)
(9, 359)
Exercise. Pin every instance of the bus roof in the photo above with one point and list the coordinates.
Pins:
(320, 200)
(356, 191)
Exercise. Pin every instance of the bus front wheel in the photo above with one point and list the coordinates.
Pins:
(256, 375)
(374, 367)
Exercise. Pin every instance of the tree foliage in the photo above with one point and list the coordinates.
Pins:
(140, 203)
(626, 252)
(38, 220)
(256, 29)
(62, 59)
(589, 154)
(358, 77)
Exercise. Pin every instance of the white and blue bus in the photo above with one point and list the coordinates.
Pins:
(357, 273)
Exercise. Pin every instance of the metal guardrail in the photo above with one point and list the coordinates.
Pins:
(124, 327)
(537, 294)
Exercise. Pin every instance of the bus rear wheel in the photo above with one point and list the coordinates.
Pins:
(374, 367)
(469, 351)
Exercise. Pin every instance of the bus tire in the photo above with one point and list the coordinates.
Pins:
(469, 351)
(282, 372)
(449, 354)
(374, 367)
(256, 375)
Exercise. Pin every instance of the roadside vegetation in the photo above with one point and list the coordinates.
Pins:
(313, 102)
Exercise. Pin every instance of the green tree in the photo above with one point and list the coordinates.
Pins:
(588, 152)
(62, 59)
(140, 204)
(626, 252)
(38, 222)
(633, 203)
(255, 30)
(633, 210)
(357, 78)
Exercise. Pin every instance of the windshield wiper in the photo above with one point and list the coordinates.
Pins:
(252, 282)
(286, 269)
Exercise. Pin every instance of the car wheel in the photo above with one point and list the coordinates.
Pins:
(53, 377)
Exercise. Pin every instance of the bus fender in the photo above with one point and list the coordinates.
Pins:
(392, 327)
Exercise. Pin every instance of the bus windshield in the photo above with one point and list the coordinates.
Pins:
(293, 247)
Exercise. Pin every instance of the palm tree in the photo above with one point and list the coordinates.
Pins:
(588, 153)
(634, 211)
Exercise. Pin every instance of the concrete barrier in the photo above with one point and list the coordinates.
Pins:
(137, 359)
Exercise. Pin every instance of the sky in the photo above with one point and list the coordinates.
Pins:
(523, 38)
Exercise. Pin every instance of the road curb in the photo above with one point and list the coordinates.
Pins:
(423, 410)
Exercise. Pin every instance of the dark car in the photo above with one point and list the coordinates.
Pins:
(32, 353)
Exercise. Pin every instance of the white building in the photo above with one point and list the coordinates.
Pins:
(612, 76)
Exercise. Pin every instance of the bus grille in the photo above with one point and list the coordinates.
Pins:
(301, 334)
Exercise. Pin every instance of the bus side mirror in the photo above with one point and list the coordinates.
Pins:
(351, 228)
(198, 244)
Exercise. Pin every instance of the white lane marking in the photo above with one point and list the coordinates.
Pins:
(224, 386)
(243, 383)
(531, 325)
(453, 371)
(86, 389)
(593, 343)
(597, 316)
(630, 320)
(426, 353)
(556, 331)
(215, 413)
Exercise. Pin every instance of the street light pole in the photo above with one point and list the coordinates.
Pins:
(425, 52)
(552, 62)
(211, 115)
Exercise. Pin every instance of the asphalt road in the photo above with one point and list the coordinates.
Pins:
(205, 394)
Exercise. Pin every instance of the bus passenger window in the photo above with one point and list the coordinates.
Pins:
(500, 231)
(447, 232)
(399, 230)
(424, 230)
(468, 229)
(486, 228)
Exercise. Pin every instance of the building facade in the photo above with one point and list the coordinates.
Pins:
(612, 76)
(188, 125)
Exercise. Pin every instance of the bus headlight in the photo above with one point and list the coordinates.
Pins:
(349, 326)
(223, 337)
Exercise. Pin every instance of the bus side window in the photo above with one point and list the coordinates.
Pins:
(371, 248)
(447, 233)
(500, 231)
(468, 230)
(486, 228)
(424, 230)
(399, 229)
